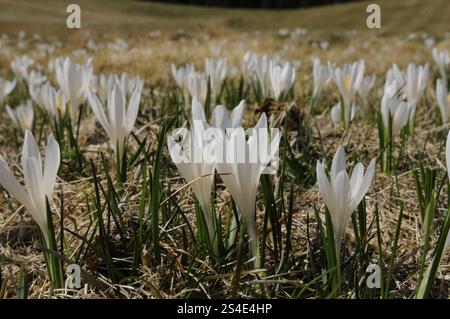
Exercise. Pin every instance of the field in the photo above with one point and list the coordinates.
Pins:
(140, 225)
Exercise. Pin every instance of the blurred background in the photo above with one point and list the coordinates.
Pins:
(262, 4)
(132, 16)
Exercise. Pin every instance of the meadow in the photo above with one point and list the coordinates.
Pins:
(94, 121)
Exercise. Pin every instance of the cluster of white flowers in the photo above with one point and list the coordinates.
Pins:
(194, 83)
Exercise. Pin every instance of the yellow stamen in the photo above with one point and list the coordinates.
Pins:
(59, 103)
(347, 81)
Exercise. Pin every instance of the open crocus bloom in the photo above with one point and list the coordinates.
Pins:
(409, 84)
(184, 146)
(321, 76)
(416, 83)
(342, 194)
(102, 84)
(198, 86)
(443, 99)
(397, 76)
(20, 67)
(398, 109)
(348, 81)
(217, 71)
(240, 167)
(22, 116)
(223, 119)
(258, 70)
(248, 64)
(442, 59)
(261, 72)
(281, 78)
(35, 79)
(6, 87)
(129, 84)
(120, 121)
(366, 86)
(39, 180)
(53, 102)
(37, 94)
(74, 80)
(181, 74)
(181, 77)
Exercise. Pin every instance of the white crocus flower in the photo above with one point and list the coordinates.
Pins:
(248, 64)
(261, 76)
(442, 59)
(20, 67)
(130, 84)
(102, 85)
(74, 80)
(216, 71)
(37, 93)
(258, 69)
(409, 84)
(181, 77)
(39, 180)
(281, 78)
(397, 76)
(399, 110)
(243, 162)
(336, 114)
(120, 121)
(223, 119)
(54, 102)
(22, 116)
(443, 99)
(321, 76)
(6, 88)
(184, 147)
(198, 86)
(342, 194)
(261, 71)
(35, 79)
(366, 86)
(416, 83)
(348, 81)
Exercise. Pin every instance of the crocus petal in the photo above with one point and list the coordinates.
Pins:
(198, 114)
(30, 149)
(133, 109)
(324, 186)
(13, 187)
(11, 114)
(117, 107)
(238, 114)
(338, 164)
(357, 178)
(33, 183)
(341, 200)
(365, 184)
(51, 167)
(97, 108)
(447, 154)
(220, 117)
(336, 114)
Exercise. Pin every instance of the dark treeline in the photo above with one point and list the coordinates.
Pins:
(263, 4)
